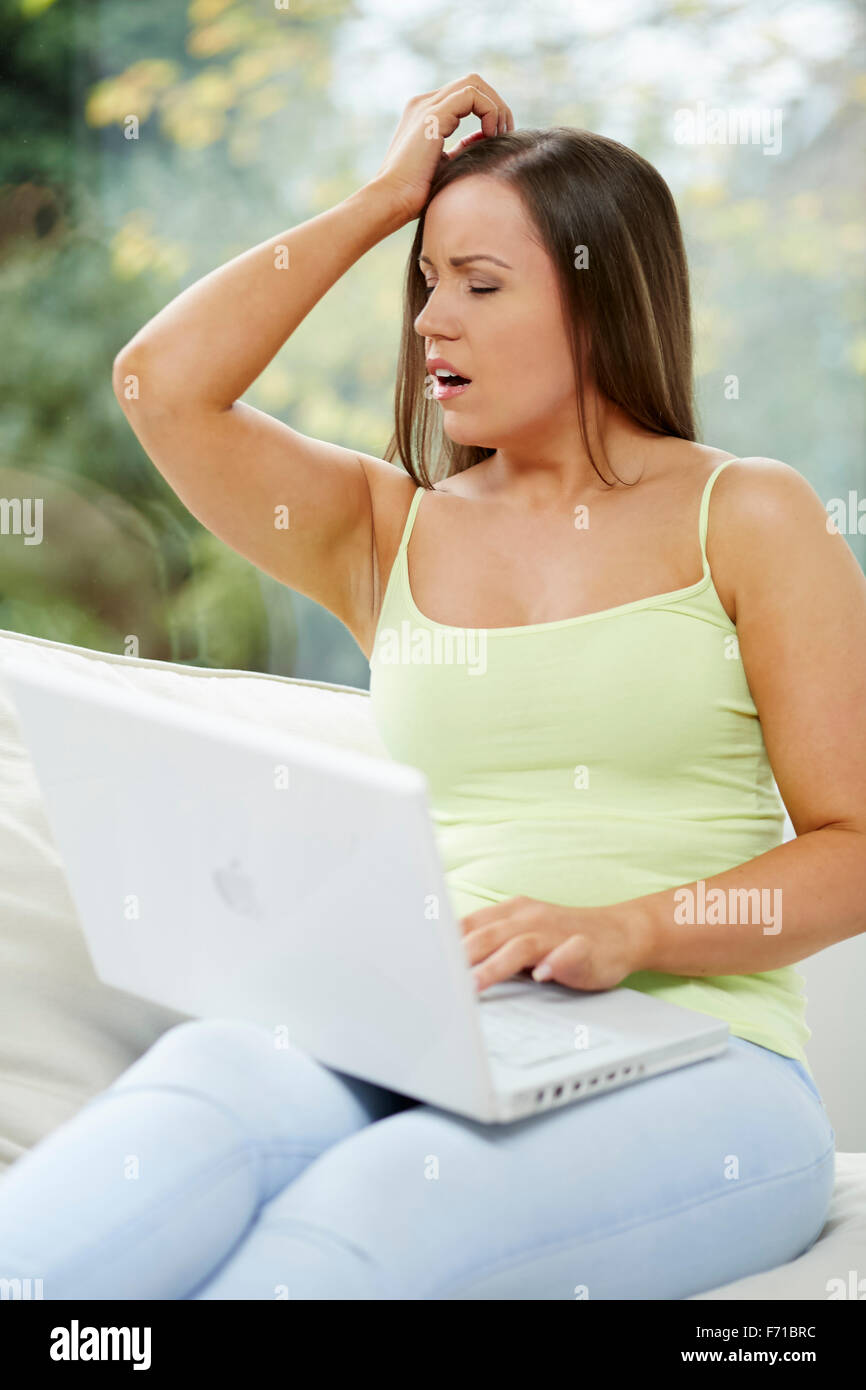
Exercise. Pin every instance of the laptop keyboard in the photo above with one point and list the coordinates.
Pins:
(525, 1039)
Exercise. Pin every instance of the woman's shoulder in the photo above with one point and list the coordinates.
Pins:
(757, 491)
(753, 490)
(764, 520)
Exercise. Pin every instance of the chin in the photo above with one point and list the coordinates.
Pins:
(460, 431)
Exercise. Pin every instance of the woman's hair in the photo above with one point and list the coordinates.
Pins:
(597, 205)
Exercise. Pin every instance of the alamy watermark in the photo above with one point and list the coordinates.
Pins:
(77, 1343)
(720, 908)
(719, 125)
(847, 519)
(22, 1289)
(419, 646)
(22, 516)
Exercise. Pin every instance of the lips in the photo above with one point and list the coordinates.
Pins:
(444, 388)
(440, 366)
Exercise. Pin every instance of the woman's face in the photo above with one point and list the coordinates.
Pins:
(493, 313)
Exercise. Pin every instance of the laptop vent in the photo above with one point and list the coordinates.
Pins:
(560, 1093)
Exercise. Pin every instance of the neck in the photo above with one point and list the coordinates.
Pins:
(556, 467)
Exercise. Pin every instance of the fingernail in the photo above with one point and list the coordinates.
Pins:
(542, 972)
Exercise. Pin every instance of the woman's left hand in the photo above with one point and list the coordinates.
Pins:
(587, 948)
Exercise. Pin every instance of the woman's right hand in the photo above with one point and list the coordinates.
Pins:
(416, 150)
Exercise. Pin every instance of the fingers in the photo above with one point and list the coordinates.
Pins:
(472, 95)
(568, 964)
(506, 118)
(516, 954)
(521, 934)
(485, 940)
(451, 110)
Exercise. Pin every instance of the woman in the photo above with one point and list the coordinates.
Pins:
(602, 781)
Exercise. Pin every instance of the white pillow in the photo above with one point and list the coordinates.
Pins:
(65, 1036)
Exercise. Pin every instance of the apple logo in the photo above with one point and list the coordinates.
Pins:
(235, 887)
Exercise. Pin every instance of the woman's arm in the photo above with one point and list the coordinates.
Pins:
(234, 467)
(801, 625)
(302, 509)
(211, 342)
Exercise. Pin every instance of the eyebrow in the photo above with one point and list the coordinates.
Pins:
(461, 260)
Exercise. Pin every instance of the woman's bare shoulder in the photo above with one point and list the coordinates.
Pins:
(755, 490)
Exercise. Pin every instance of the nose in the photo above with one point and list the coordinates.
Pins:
(434, 321)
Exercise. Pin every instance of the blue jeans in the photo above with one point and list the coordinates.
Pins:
(219, 1166)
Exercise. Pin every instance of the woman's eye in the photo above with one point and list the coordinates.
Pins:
(473, 289)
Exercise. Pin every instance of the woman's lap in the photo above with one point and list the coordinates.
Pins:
(659, 1190)
(221, 1166)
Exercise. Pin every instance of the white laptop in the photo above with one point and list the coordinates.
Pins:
(226, 869)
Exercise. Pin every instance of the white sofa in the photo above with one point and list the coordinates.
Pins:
(64, 1036)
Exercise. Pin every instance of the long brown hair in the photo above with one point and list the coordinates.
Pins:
(581, 190)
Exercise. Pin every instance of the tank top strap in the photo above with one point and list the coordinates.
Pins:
(410, 520)
(705, 506)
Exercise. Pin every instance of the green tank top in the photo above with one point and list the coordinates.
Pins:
(589, 761)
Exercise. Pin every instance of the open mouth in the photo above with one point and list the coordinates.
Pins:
(448, 384)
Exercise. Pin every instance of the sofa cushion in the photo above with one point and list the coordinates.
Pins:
(65, 1036)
